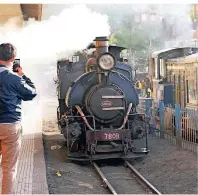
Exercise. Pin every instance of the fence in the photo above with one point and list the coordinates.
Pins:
(180, 126)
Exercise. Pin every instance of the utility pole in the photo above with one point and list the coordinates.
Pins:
(131, 53)
(150, 70)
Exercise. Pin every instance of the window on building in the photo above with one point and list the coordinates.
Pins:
(162, 72)
(137, 18)
(156, 69)
(144, 17)
(192, 91)
(74, 58)
(153, 18)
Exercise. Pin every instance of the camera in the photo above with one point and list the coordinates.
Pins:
(16, 65)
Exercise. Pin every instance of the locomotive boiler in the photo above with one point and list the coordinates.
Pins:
(97, 105)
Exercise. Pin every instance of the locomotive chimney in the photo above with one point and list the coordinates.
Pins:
(102, 45)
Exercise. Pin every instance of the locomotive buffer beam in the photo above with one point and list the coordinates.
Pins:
(75, 156)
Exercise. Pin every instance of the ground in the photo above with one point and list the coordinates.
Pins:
(170, 169)
(74, 178)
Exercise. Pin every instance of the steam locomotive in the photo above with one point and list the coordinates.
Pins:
(97, 105)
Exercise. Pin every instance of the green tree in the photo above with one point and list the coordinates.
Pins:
(138, 38)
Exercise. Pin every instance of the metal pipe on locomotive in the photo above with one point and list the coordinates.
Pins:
(97, 108)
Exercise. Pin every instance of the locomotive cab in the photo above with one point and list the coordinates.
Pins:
(101, 117)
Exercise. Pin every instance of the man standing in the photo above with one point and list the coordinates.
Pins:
(148, 86)
(13, 89)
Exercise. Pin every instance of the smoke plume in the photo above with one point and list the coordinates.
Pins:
(41, 44)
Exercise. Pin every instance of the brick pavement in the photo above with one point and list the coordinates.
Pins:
(31, 177)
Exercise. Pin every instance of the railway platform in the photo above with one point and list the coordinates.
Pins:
(31, 177)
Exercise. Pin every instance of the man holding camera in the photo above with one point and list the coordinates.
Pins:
(13, 89)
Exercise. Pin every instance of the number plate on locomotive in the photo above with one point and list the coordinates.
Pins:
(112, 136)
(100, 135)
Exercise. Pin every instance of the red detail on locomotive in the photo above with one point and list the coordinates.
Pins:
(106, 104)
(112, 136)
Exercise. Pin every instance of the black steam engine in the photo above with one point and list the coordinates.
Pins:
(97, 105)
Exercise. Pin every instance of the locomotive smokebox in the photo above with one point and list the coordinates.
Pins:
(102, 45)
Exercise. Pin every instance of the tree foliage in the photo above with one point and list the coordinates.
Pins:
(126, 32)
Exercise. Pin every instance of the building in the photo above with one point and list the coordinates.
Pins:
(16, 14)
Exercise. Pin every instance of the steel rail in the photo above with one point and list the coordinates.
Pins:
(143, 181)
(111, 189)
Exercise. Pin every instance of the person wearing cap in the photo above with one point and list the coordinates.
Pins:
(14, 87)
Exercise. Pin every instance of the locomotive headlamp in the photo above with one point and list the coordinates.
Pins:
(106, 61)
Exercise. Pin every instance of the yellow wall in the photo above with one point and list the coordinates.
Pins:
(11, 15)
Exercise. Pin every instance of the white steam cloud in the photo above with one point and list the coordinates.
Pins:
(41, 44)
(176, 16)
(59, 36)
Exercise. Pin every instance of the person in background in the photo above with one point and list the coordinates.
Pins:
(138, 86)
(143, 84)
(14, 87)
(148, 86)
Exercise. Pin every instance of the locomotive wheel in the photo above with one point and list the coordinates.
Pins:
(58, 113)
(73, 147)
(58, 118)
(126, 149)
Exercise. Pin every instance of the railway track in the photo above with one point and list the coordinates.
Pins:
(136, 183)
